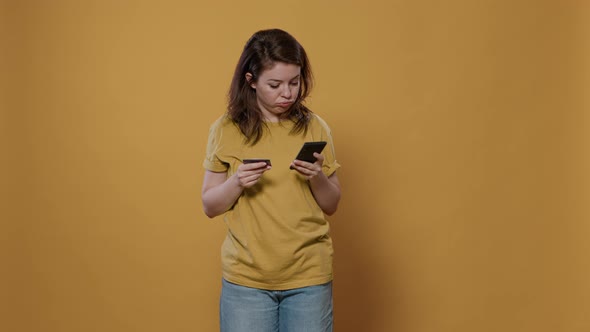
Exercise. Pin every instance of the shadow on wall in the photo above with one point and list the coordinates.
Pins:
(363, 285)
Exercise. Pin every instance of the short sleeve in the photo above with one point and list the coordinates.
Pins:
(330, 163)
(212, 161)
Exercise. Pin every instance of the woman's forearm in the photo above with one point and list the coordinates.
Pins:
(326, 191)
(221, 197)
(221, 192)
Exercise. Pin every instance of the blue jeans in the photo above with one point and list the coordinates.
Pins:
(244, 309)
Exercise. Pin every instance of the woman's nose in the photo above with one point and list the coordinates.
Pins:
(286, 92)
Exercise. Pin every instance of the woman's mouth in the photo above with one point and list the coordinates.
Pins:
(285, 104)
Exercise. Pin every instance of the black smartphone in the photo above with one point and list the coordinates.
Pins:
(251, 161)
(307, 150)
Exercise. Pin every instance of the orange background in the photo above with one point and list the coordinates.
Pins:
(463, 129)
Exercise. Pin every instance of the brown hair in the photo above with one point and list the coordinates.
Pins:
(261, 52)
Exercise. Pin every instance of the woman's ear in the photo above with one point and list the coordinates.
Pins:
(249, 80)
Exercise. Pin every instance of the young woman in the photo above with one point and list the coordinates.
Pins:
(277, 256)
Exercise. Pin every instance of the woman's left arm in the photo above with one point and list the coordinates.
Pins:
(325, 189)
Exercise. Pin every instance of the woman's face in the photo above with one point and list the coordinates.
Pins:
(277, 89)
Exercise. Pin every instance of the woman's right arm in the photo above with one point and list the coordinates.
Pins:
(219, 192)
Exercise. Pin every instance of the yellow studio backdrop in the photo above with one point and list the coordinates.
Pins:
(462, 128)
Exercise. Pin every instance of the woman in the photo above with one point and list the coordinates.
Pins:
(277, 256)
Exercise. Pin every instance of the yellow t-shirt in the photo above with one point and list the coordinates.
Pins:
(278, 237)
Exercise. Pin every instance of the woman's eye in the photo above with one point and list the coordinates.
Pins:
(274, 86)
(294, 83)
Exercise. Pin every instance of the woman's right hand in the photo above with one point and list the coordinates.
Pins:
(219, 192)
(248, 174)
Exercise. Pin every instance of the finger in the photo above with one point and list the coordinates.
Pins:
(254, 171)
(301, 163)
(254, 166)
(250, 180)
(308, 168)
(312, 171)
(251, 175)
(257, 171)
(319, 157)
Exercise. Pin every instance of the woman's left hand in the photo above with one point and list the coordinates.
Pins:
(309, 170)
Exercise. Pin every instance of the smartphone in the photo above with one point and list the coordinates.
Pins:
(307, 150)
(251, 161)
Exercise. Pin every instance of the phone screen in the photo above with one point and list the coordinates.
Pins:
(308, 149)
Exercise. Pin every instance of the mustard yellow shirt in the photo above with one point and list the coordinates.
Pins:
(278, 237)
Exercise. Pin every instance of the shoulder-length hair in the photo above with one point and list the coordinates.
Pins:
(261, 52)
